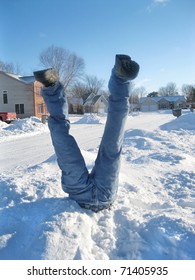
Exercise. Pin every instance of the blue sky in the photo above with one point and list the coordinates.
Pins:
(158, 34)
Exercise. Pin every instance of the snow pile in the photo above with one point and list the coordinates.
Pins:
(28, 124)
(186, 122)
(21, 127)
(90, 119)
(3, 125)
(153, 216)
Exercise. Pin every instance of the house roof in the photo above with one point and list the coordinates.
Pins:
(168, 98)
(154, 99)
(23, 79)
(174, 98)
(27, 79)
(87, 97)
(93, 100)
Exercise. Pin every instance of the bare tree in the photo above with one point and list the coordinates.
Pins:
(78, 89)
(172, 89)
(68, 65)
(189, 92)
(6, 67)
(162, 91)
(169, 90)
(93, 84)
(139, 91)
(10, 67)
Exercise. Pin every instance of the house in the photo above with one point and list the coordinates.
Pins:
(88, 103)
(95, 104)
(148, 104)
(177, 101)
(21, 94)
(164, 104)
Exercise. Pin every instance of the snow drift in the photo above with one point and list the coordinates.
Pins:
(21, 127)
(90, 119)
(185, 122)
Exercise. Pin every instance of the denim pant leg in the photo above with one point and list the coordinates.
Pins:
(75, 177)
(106, 170)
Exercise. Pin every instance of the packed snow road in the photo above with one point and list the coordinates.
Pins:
(29, 150)
(26, 151)
(16, 151)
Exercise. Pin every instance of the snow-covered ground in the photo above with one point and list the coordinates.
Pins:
(152, 218)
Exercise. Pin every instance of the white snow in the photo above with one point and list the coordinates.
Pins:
(152, 218)
(90, 119)
(21, 127)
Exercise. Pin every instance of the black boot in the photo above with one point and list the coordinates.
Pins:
(125, 67)
(47, 77)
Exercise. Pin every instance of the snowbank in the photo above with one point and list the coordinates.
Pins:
(28, 124)
(91, 119)
(3, 125)
(186, 122)
(21, 127)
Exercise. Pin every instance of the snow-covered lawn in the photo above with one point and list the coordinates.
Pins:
(152, 218)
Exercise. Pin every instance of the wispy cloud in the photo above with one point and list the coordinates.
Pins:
(160, 1)
(156, 3)
(42, 35)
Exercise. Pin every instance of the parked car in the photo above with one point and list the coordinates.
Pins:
(7, 117)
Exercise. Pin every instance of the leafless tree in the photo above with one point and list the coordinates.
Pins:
(136, 93)
(78, 89)
(162, 91)
(139, 91)
(10, 67)
(189, 92)
(93, 84)
(68, 65)
(172, 89)
(90, 84)
(169, 90)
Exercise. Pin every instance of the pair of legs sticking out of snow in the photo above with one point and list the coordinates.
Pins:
(95, 190)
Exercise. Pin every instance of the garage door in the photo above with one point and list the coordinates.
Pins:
(149, 108)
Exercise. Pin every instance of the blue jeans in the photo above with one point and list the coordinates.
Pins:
(96, 190)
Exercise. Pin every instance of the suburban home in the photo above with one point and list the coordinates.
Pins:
(89, 103)
(95, 104)
(21, 94)
(148, 104)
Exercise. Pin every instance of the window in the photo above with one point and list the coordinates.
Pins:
(19, 108)
(38, 91)
(5, 98)
(40, 108)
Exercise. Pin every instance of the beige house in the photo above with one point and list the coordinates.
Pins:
(21, 95)
(96, 104)
(163, 104)
(148, 104)
(90, 103)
